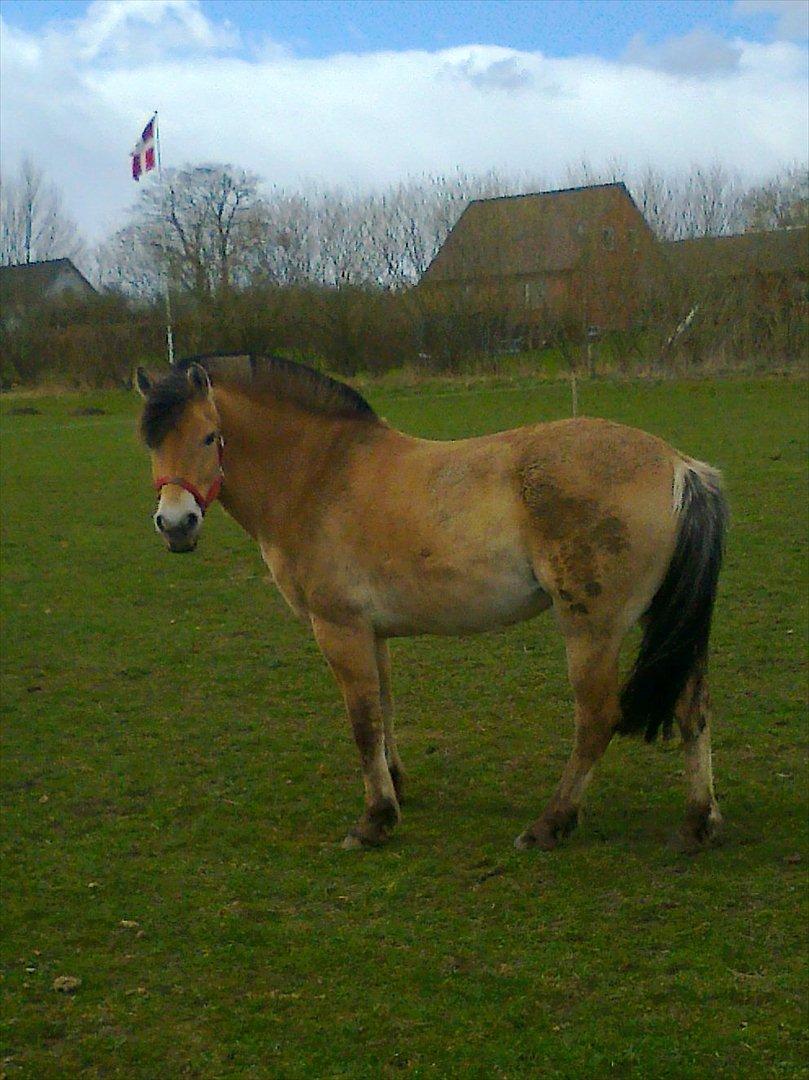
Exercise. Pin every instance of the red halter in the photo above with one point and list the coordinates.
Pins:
(203, 501)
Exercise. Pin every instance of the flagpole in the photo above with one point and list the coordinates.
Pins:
(169, 330)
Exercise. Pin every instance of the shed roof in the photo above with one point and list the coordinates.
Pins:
(540, 233)
(777, 252)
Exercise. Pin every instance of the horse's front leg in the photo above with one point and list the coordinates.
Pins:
(386, 695)
(351, 654)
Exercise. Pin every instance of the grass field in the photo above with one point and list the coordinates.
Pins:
(177, 776)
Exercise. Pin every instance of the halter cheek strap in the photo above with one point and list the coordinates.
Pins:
(202, 501)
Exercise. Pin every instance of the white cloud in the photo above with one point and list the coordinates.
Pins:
(140, 28)
(76, 96)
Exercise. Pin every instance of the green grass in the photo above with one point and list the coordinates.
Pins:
(175, 755)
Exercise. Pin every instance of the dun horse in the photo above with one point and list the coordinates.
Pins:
(371, 534)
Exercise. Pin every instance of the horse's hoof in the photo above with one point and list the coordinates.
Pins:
(529, 839)
(363, 837)
(702, 829)
(688, 843)
(547, 833)
(352, 843)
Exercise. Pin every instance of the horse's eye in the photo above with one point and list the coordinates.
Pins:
(210, 438)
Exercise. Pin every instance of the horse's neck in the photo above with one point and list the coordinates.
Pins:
(275, 454)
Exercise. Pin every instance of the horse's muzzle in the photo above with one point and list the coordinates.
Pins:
(180, 537)
(181, 547)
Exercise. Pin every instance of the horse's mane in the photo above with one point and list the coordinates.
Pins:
(256, 377)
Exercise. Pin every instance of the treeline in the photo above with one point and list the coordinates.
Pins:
(213, 228)
(218, 227)
(98, 342)
(326, 276)
(687, 326)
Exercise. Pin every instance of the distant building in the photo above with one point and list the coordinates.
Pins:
(28, 286)
(575, 257)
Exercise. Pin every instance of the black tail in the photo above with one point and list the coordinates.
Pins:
(678, 620)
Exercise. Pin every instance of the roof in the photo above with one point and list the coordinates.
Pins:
(31, 283)
(539, 233)
(777, 252)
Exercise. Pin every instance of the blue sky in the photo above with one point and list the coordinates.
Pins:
(317, 28)
(364, 94)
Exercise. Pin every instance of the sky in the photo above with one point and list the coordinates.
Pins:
(363, 93)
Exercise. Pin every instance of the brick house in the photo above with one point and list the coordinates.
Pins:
(575, 257)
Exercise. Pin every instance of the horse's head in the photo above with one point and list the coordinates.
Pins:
(180, 426)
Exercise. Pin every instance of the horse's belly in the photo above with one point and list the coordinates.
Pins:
(458, 604)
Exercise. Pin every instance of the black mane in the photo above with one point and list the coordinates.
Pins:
(256, 376)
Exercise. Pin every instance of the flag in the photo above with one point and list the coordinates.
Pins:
(143, 156)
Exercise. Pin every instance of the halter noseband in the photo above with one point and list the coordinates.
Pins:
(202, 501)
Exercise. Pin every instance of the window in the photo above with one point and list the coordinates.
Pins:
(608, 238)
(534, 293)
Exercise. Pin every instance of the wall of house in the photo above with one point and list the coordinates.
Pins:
(617, 260)
(68, 281)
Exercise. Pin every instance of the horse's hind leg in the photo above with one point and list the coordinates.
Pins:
(351, 653)
(386, 696)
(593, 671)
(702, 816)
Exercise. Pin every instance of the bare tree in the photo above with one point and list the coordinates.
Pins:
(33, 222)
(704, 201)
(204, 227)
(384, 239)
(288, 253)
(713, 202)
(126, 263)
(657, 197)
(781, 202)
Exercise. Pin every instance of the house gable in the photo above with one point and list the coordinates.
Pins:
(575, 255)
(545, 233)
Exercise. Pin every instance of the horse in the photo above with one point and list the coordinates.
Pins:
(371, 534)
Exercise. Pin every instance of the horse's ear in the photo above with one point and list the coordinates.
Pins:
(198, 377)
(143, 383)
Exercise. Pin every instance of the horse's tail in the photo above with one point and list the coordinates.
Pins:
(677, 623)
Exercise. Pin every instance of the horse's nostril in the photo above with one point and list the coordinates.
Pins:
(159, 522)
(190, 521)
